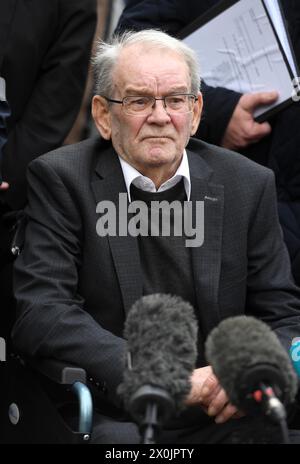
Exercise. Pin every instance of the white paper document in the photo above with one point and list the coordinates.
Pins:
(238, 49)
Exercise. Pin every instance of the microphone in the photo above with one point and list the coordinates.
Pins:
(252, 366)
(161, 332)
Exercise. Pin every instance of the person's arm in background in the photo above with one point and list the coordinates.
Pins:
(218, 106)
(227, 118)
(56, 97)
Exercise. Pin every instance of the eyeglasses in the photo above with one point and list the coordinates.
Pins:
(138, 105)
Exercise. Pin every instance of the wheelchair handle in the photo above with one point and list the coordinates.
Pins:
(85, 407)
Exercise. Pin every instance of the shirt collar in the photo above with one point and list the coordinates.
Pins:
(132, 176)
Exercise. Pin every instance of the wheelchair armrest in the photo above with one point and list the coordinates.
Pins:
(58, 371)
(65, 374)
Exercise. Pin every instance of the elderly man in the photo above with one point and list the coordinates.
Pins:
(74, 283)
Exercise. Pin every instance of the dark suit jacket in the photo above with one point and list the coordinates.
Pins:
(74, 288)
(46, 47)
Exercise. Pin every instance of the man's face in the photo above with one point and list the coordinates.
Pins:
(158, 139)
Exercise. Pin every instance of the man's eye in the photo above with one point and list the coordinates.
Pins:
(176, 100)
(139, 101)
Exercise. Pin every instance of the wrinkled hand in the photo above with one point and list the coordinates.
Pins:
(242, 130)
(4, 186)
(208, 393)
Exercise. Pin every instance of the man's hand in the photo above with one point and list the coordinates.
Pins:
(208, 393)
(4, 186)
(242, 130)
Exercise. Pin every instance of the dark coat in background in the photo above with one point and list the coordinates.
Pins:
(46, 53)
(280, 150)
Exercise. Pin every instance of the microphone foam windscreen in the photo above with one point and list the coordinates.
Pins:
(161, 332)
(241, 343)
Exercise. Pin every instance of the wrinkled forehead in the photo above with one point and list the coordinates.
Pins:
(148, 70)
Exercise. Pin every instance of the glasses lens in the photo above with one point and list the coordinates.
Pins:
(142, 105)
(137, 105)
(179, 103)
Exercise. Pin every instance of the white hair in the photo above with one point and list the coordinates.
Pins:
(107, 54)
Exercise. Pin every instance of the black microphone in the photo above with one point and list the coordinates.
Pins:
(161, 332)
(252, 366)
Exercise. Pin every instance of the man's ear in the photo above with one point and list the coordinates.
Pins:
(101, 116)
(197, 111)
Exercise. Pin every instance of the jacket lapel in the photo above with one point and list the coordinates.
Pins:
(206, 259)
(124, 250)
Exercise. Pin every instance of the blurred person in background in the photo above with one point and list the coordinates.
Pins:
(44, 55)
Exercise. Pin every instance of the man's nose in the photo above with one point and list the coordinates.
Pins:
(159, 112)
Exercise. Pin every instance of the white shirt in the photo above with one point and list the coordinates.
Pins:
(132, 176)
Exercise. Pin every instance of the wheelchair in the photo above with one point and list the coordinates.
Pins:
(29, 413)
(35, 394)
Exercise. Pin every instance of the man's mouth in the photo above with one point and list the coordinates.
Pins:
(157, 137)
